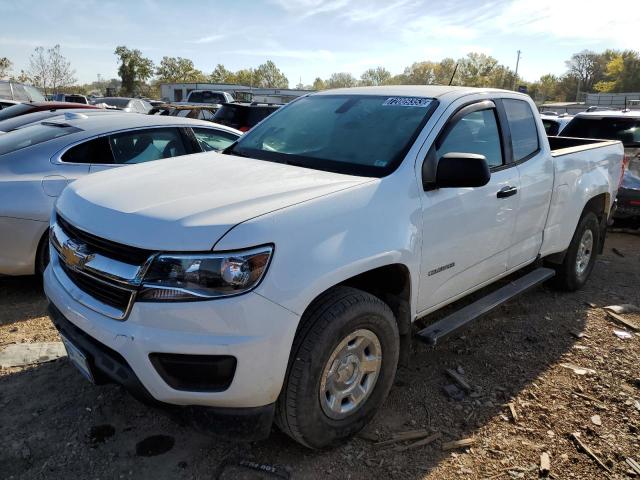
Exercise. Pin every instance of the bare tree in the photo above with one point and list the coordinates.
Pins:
(62, 75)
(38, 70)
(5, 67)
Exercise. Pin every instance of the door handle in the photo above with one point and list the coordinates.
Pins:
(507, 191)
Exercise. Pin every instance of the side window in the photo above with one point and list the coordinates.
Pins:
(210, 139)
(19, 93)
(146, 145)
(551, 128)
(477, 133)
(522, 123)
(95, 151)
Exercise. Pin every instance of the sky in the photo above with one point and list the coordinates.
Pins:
(314, 38)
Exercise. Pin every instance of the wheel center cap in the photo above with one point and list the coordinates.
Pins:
(348, 369)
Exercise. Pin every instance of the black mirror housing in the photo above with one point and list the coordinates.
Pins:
(458, 170)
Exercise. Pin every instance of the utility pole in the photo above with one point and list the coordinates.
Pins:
(515, 79)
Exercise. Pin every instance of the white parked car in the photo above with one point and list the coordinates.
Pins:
(280, 279)
(38, 160)
(554, 124)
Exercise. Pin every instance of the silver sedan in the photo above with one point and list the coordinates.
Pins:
(38, 160)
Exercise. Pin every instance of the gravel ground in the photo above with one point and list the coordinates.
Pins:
(54, 424)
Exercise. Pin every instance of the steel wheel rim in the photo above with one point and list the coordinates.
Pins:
(350, 374)
(585, 250)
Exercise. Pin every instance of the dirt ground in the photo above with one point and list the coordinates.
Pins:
(54, 424)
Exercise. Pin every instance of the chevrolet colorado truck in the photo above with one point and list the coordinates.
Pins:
(279, 280)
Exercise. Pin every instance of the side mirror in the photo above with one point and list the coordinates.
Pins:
(456, 170)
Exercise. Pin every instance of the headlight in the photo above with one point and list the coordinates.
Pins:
(177, 277)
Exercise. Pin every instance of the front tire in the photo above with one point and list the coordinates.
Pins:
(581, 255)
(342, 366)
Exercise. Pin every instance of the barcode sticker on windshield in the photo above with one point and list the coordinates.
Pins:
(407, 102)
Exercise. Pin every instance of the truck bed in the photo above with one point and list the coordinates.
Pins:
(566, 145)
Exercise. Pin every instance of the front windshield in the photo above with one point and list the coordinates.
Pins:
(355, 134)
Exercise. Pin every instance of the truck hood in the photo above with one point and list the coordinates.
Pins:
(189, 203)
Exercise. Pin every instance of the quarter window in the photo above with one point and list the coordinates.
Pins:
(522, 123)
(146, 145)
(96, 151)
(476, 133)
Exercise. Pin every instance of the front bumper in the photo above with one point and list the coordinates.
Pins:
(109, 366)
(254, 330)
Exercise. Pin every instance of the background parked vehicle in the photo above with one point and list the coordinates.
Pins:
(209, 96)
(37, 161)
(201, 111)
(135, 105)
(243, 116)
(70, 97)
(281, 278)
(45, 109)
(625, 127)
(554, 124)
(12, 93)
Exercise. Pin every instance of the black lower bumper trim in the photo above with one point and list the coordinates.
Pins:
(238, 424)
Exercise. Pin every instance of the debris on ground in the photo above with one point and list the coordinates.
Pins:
(453, 392)
(420, 443)
(621, 320)
(635, 466)
(463, 443)
(545, 464)
(622, 334)
(578, 370)
(583, 448)
(22, 354)
(457, 377)
(617, 252)
(595, 419)
(512, 410)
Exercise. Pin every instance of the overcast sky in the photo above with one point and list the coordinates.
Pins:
(310, 38)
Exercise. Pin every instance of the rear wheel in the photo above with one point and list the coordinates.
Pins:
(581, 255)
(342, 366)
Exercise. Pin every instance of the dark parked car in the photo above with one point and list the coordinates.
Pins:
(75, 98)
(243, 116)
(623, 126)
(12, 93)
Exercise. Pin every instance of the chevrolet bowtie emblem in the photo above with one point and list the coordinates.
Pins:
(75, 254)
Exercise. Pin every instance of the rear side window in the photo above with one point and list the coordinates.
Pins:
(33, 135)
(522, 123)
(212, 139)
(146, 145)
(96, 151)
(627, 130)
(477, 133)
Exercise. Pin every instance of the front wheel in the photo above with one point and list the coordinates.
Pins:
(342, 366)
(581, 255)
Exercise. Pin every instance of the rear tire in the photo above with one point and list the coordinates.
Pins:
(581, 255)
(342, 366)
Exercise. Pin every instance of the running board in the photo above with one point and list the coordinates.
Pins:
(458, 319)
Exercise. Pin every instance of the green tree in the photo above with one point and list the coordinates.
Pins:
(341, 80)
(269, 76)
(178, 69)
(245, 76)
(622, 73)
(588, 67)
(134, 69)
(375, 76)
(5, 67)
(221, 75)
(318, 84)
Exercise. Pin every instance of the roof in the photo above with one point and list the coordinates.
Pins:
(116, 120)
(611, 113)
(60, 105)
(429, 91)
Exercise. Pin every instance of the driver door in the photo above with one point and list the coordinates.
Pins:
(467, 232)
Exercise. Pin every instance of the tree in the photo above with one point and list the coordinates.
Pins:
(341, 80)
(60, 71)
(39, 69)
(134, 69)
(246, 76)
(318, 84)
(588, 67)
(221, 75)
(178, 69)
(5, 67)
(270, 76)
(375, 76)
(622, 73)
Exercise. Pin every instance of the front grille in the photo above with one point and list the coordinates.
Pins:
(109, 295)
(117, 251)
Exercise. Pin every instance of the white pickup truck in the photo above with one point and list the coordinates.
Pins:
(280, 279)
